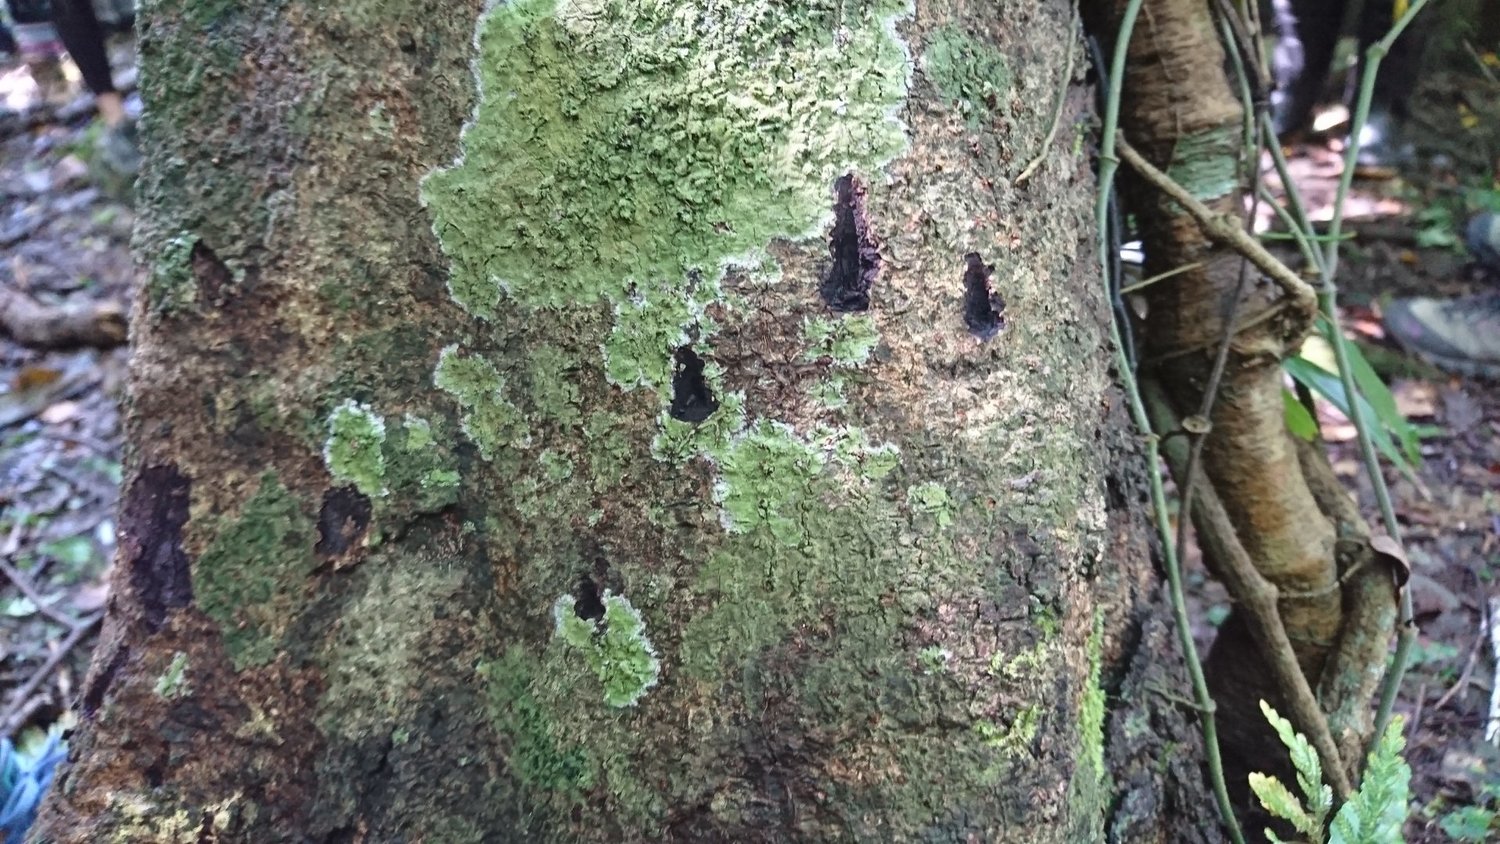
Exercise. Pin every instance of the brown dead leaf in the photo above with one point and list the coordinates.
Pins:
(1389, 551)
(32, 377)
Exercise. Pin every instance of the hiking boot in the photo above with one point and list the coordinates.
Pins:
(1382, 149)
(1483, 239)
(1459, 335)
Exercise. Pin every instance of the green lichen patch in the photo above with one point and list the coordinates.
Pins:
(553, 385)
(829, 392)
(609, 450)
(171, 287)
(933, 500)
(538, 751)
(847, 341)
(966, 71)
(851, 449)
(1205, 162)
(765, 479)
(677, 440)
(173, 682)
(651, 323)
(1014, 739)
(1092, 710)
(631, 142)
(378, 660)
(354, 449)
(420, 471)
(490, 420)
(252, 577)
(615, 647)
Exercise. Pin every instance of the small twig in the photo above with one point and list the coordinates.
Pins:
(1468, 669)
(1222, 231)
(1057, 110)
(23, 583)
(1162, 276)
(1479, 60)
(24, 691)
(1416, 714)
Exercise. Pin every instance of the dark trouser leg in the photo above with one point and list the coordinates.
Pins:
(1308, 31)
(84, 39)
(1400, 68)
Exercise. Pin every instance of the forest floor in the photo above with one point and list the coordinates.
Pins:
(65, 239)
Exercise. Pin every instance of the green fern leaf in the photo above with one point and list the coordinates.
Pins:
(1376, 813)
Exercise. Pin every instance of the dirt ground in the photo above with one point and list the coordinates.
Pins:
(65, 240)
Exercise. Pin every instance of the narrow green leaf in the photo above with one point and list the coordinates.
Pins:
(1327, 385)
(1298, 420)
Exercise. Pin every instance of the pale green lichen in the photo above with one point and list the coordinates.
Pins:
(354, 451)
(173, 682)
(677, 441)
(615, 647)
(934, 658)
(1092, 710)
(932, 499)
(647, 171)
(765, 476)
(418, 433)
(651, 323)
(829, 392)
(1205, 163)
(1015, 739)
(490, 420)
(171, 287)
(420, 468)
(847, 341)
(553, 387)
(966, 71)
(556, 467)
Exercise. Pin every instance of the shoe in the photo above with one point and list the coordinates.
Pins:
(1382, 150)
(120, 150)
(1458, 335)
(1483, 239)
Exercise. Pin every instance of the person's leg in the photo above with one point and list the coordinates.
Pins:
(1380, 143)
(1307, 32)
(84, 39)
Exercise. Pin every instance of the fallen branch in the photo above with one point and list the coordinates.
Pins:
(99, 325)
(25, 690)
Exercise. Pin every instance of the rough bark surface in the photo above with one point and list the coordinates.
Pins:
(712, 445)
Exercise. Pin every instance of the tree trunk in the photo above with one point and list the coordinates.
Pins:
(715, 443)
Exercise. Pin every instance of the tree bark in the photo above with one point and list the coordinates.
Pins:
(712, 444)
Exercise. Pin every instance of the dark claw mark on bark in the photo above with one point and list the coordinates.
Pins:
(855, 251)
(342, 520)
(214, 279)
(588, 603)
(93, 695)
(151, 520)
(984, 307)
(692, 400)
